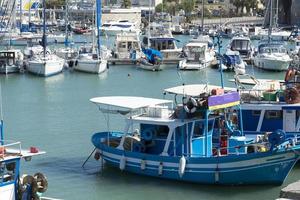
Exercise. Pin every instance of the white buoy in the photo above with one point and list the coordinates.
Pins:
(143, 164)
(182, 164)
(160, 168)
(122, 163)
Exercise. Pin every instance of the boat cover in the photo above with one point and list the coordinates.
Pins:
(152, 54)
(128, 102)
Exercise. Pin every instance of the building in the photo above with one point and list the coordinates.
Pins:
(145, 3)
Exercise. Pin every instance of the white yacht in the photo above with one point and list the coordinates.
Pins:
(199, 54)
(243, 45)
(161, 39)
(272, 56)
(116, 27)
(127, 48)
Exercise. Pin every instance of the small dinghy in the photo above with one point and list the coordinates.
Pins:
(151, 61)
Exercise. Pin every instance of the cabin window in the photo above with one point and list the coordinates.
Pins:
(256, 113)
(273, 114)
(122, 45)
(129, 45)
(7, 172)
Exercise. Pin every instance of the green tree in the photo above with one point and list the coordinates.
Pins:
(126, 4)
(55, 3)
(188, 6)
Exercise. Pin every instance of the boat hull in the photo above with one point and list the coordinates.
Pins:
(91, 66)
(9, 69)
(186, 65)
(271, 64)
(45, 68)
(256, 168)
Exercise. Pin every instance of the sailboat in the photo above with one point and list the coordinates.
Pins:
(93, 62)
(272, 55)
(45, 64)
(68, 53)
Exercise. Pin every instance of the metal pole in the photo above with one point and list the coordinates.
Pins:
(66, 25)
(98, 14)
(202, 20)
(44, 29)
(21, 14)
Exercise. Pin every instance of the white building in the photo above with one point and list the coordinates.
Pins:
(145, 3)
(132, 15)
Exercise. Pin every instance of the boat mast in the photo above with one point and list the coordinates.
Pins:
(29, 17)
(98, 14)
(202, 19)
(20, 17)
(271, 21)
(44, 40)
(66, 25)
(149, 25)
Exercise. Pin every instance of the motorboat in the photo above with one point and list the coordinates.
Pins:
(177, 29)
(196, 140)
(160, 38)
(272, 56)
(117, 27)
(151, 60)
(198, 54)
(232, 61)
(11, 61)
(243, 45)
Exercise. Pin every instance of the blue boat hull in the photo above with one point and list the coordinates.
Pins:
(254, 168)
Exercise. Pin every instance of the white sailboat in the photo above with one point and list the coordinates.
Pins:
(93, 62)
(45, 64)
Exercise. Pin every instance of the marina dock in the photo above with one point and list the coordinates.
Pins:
(291, 191)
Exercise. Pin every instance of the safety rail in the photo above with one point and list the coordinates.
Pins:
(9, 148)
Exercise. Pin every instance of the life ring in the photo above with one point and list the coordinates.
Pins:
(191, 105)
(291, 96)
(148, 134)
(289, 75)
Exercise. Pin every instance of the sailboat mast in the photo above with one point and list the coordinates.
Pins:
(66, 25)
(148, 42)
(271, 20)
(29, 15)
(44, 40)
(202, 19)
(21, 15)
(98, 14)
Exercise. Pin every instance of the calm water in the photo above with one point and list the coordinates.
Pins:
(55, 114)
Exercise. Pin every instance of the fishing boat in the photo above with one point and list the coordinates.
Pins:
(93, 62)
(199, 54)
(45, 64)
(127, 49)
(198, 139)
(11, 61)
(243, 45)
(232, 61)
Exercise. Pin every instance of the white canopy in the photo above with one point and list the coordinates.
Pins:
(128, 102)
(194, 89)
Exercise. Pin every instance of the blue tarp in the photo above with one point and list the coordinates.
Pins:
(151, 54)
(232, 59)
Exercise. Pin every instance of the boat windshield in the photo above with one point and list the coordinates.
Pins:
(273, 50)
(237, 45)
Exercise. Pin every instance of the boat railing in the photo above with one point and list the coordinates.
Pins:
(9, 148)
(261, 96)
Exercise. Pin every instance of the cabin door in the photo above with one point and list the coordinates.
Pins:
(289, 120)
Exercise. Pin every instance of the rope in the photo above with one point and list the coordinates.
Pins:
(88, 157)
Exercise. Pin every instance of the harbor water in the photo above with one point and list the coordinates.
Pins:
(55, 115)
